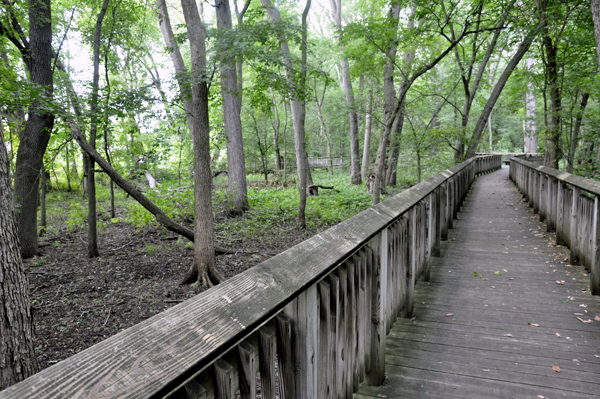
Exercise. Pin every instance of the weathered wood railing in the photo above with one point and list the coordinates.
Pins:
(323, 162)
(311, 322)
(569, 205)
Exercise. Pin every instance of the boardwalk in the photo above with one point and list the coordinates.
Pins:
(502, 313)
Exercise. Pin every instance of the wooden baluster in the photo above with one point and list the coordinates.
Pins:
(560, 216)
(390, 280)
(191, 390)
(342, 356)
(266, 348)
(247, 372)
(574, 255)
(451, 203)
(542, 197)
(350, 324)
(427, 228)
(355, 320)
(412, 262)
(435, 230)
(595, 255)
(369, 266)
(306, 344)
(334, 363)
(285, 356)
(223, 379)
(444, 211)
(551, 211)
(376, 373)
(405, 264)
(324, 364)
(362, 315)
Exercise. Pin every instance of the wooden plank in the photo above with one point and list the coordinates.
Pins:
(334, 286)
(247, 373)
(223, 379)
(266, 348)
(595, 255)
(574, 242)
(324, 365)
(285, 356)
(376, 373)
(342, 358)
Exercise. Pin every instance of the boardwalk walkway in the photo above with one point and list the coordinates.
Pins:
(500, 333)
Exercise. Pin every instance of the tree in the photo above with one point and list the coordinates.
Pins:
(355, 177)
(204, 268)
(36, 52)
(17, 354)
(297, 103)
(236, 165)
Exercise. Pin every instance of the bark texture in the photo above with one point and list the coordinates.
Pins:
(596, 17)
(576, 129)
(530, 123)
(17, 355)
(36, 134)
(236, 164)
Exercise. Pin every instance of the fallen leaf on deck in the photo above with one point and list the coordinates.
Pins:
(588, 321)
(578, 314)
(508, 335)
(597, 318)
(557, 334)
(449, 314)
(542, 397)
(560, 282)
(598, 356)
(491, 286)
(533, 324)
(556, 368)
(575, 360)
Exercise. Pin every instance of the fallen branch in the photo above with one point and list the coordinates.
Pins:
(313, 189)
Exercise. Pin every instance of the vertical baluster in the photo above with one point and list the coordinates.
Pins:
(334, 294)
(376, 374)
(369, 267)
(223, 379)
(560, 216)
(266, 349)
(595, 256)
(444, 211)
(247, 372)
(412, 262)
(350, 331)
(342, 356)
(450, 203)
(192, 390)
(573, 244)
(435, 230)
(362, 314)
(285, 350)
(324, 365)
(425, 239)
(542, 197)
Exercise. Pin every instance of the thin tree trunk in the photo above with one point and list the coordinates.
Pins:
(43, 202)
(38, 126)
(236, 164)
(531, 138)
(17, 356)
(596, 17)
(297, 106)
(276, 132)
(367, 141)
(92, 224)
(576, 129)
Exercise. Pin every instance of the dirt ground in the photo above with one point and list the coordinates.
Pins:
(78, 302)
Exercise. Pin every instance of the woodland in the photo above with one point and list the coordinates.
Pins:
(150, 150)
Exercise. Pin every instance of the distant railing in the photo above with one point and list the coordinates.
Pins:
(312, 320)
(324, 162)
(528, 156)
(569, 205)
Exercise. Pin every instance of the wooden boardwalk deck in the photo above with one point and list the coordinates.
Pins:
(497, 334)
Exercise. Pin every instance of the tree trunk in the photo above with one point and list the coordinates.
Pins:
(392, 167)
(487, 109)
(596, 17)
(204, 269)
(91, 187)
(576, 130)
(297, 106)
(17, 355)
(38, 126)
(531, 138)
(236, 165)
(276, 132)
(367, 142)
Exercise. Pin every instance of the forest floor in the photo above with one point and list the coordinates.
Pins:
(78, 302)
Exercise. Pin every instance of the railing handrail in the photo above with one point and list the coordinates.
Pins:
(573, 216)
(589, 185)
(159, 355)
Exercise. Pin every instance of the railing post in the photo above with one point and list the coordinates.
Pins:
(451, 199)
(551, 204)
(434, 223)
(560, 213)
(595, 255)
(574, 253)
(444, 211)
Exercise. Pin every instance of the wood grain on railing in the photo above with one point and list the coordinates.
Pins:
(569, 204)
(310, 322)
